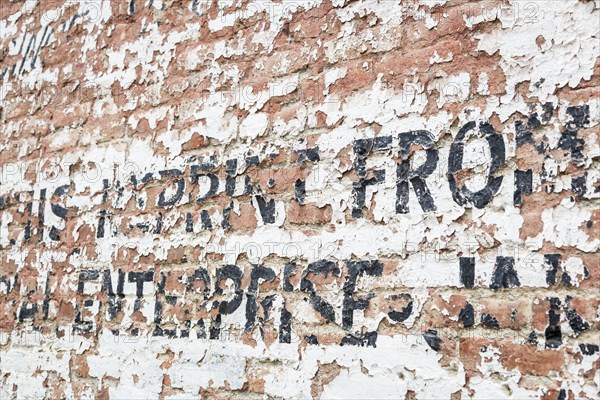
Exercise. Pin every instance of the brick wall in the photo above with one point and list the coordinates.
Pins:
(299, 199)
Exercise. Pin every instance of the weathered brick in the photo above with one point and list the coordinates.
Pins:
(345, 199)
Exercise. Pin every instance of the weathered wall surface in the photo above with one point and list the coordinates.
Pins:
(296, 199)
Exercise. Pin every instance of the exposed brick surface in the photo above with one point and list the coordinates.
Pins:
(299, 199)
